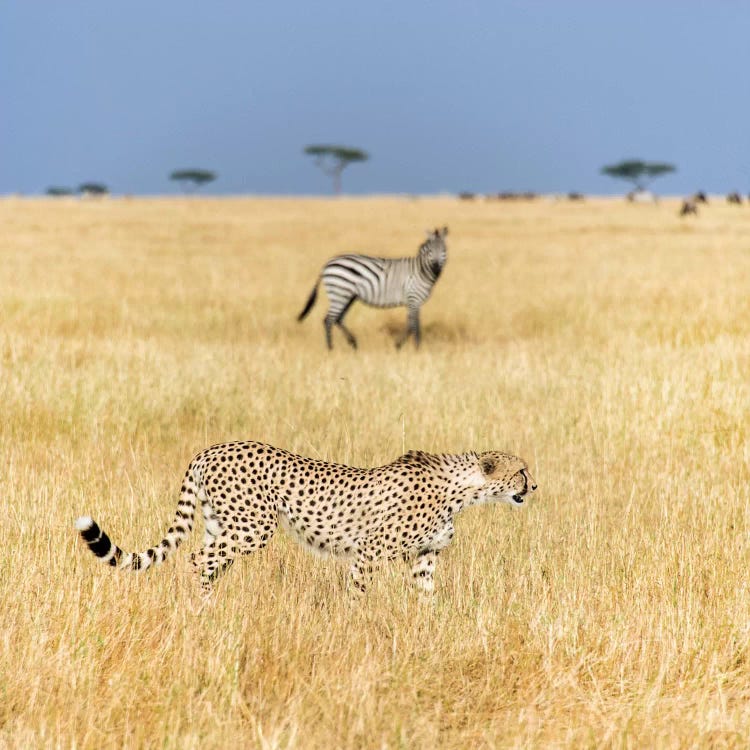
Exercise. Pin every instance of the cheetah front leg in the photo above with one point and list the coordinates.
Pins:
(422, 572)
(360, 573)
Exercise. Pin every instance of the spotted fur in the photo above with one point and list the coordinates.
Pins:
(404, 509)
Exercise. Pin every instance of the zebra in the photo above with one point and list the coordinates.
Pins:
(380, 282)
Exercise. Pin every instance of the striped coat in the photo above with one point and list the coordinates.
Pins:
(380, 282)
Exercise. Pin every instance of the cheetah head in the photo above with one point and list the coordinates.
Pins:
(506, 479)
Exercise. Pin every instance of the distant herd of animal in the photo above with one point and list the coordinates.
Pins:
(690, 205)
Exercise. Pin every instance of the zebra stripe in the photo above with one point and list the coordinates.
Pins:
(380, 282)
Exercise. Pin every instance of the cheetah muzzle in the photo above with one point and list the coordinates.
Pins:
(405, 509)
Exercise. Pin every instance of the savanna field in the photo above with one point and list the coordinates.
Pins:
(607, 343)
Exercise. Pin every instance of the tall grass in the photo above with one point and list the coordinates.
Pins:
(606, 343)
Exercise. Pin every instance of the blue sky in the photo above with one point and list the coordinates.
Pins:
(445, 96)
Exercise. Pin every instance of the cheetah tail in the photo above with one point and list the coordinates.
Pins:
(108, 552)
(310, 302)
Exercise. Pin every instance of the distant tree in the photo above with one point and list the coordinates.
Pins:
(333, 160)
(59, 191)
(638, 172)
(93, 188)
(192, 179)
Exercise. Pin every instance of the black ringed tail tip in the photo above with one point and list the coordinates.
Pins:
(88, 528)
(98, 542)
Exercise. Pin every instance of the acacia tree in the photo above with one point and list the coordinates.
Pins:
(93, 188)
(59, 192)
(333, 160)
(192, 179)
(638, 172)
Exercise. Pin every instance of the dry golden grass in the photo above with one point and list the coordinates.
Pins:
(607, 343)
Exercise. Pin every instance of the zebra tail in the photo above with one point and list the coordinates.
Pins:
(310, 302)
(108, 552)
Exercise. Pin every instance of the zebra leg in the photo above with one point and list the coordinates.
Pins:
(412, 327)
(340, 323)
(335, 316)
(400, 342)
(328, 323)
(349, 335)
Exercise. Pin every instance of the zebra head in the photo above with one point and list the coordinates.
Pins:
(433, 252)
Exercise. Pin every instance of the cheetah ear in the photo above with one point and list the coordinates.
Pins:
(487, 464)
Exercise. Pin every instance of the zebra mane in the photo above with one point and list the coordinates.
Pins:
(435, 234)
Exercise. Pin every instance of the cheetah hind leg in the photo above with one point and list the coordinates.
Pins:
(213, 560)
(217, 556)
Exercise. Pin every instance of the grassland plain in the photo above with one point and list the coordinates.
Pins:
(607, 343)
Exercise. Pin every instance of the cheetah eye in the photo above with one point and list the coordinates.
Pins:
(526, 481)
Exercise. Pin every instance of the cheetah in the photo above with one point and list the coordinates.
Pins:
(403, 509)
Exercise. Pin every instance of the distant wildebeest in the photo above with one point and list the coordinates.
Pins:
(380, 282)
(735, 198)
(700, 197)
(689, 207)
